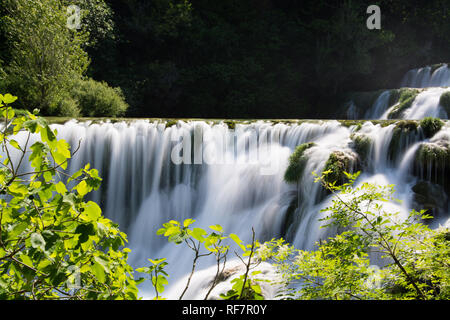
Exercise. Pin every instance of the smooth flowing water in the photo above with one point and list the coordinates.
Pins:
(144, 187)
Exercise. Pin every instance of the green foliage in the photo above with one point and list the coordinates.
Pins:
(434, 154)
(297, 162)
(44, 55)
(415, 257)
(96, 20)
(157, 275)
(240, 291)
(430, 126)
(97, 99)
(245, 287)
(53, 243)
(68, 107)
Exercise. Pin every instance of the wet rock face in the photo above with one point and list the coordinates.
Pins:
(431, 197)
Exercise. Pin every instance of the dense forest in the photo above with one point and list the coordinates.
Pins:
(227, 59)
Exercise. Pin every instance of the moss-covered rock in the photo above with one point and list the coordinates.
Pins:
(362, 144)
(401, 135)
(403, 98)
(444, 101)
(338, 163)
(432, 163)
(433, 152)
(297, 162)
(430, 126)
(171, 123)
(436, 66)
(231, 124)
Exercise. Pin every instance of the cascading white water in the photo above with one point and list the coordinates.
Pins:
(144, 188)
(378, 110)
(424, 78)
(426, 104)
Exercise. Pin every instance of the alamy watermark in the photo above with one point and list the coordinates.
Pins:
(74, 17)
(374, 20)
(232, 147)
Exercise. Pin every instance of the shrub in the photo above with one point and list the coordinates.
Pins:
(97, 99)
(68, 107)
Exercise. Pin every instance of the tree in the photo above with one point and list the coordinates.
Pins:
(414, 265)
(53, 244)
(45, 55)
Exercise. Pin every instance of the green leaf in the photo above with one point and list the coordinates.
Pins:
(158, 261)
(217, 228)
(237, 240)
(61, 188)
(103, 262)
(171, 231)
(159, 282)
(198, 233)
(26, 259)
(8, 98)
(82, 188)
(92, 210)
(188, 222)
(48, 176)
(99, 272)
(14, 144)
(17, 229)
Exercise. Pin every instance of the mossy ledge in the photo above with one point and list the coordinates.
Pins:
(362, 145)
(401, 135)
(430, 126)
(297, 162)
(432, 163)
(231, 123)
(401, 99)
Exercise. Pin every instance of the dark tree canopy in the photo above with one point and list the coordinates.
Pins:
(256, 59)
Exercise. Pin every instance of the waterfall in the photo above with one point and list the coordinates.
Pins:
(424, 77)
(153, 173)
(425, 85)
(236, 182)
